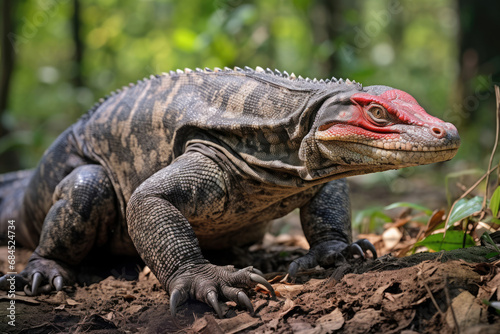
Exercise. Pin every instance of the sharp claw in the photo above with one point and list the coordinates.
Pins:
(366, 245)
(259, 279)
(253, 270)
(212, 300)
(36, 280)
(175, 298)
(356, 249)
(257, 271)
(27, 290)
(57, 283)
(245, 301)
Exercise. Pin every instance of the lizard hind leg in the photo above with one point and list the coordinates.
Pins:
(82, 212)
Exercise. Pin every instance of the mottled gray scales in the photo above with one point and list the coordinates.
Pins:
(205, 159)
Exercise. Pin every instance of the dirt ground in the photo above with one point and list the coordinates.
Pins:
(423, 293)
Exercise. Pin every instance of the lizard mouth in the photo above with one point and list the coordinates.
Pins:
(390, 154)
(395, 141)
(392, 146)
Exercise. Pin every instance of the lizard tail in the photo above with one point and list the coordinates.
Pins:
(12, 188)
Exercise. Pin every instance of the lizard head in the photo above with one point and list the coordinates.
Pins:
(380, 128)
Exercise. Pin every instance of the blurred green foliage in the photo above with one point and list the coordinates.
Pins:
(409, 45)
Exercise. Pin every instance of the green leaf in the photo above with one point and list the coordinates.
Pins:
(491, 255)
(366, 213)
(458, 174)
(464, 208)
(453, 240)
(424, 219)
(495, 305)
(495, 202)
(409, 205)
(486, 237)
(374, 217)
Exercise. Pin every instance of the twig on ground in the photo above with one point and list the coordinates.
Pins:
(497, 93)
(448, 301)
(470, 190)
(419, 275)
(490, 169)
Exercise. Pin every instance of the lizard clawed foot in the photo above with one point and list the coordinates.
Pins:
(207, 282)
(360, 248)
(327, 253)
(40, 276)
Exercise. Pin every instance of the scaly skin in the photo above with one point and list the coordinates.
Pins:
(205, 159)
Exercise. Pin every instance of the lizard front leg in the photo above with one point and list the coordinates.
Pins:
(326, 222)
(157, 216)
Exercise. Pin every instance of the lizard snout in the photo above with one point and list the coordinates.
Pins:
(438, 131)
(446, 131)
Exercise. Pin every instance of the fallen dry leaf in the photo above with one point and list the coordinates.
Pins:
(391, 237)
(331, 322)
(134, 309)
(363, 321)
(494, 284)
(489, 289)
(302, 327)
(468, 313)
(288, 290)
(287, 307)
(109, 316)
(262, 289)
(199, 324)
(240, 322)
(435, 220)
(27, 300)
(72, 302)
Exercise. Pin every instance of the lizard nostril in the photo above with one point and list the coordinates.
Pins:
(438, 132)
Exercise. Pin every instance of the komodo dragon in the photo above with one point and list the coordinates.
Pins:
(205, 159)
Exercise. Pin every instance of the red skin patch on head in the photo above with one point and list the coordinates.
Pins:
(355, 131)
(400, 104)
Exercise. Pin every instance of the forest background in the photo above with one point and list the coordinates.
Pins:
(58, 57)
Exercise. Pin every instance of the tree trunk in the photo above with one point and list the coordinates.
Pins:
(10, 159)
(76, 23)
(479, 54)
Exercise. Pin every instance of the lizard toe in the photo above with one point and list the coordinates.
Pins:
(329, 253)
(43, 275)
(325, 254)
(367, 246)
(239, 297)
(259, 279)
(303, 262)
(36, 288)
(257, 271)
(353, 250)
(213, 301)
(36, 280)
(207, 283)
(58, 282)
(177, 297)
(243, 300)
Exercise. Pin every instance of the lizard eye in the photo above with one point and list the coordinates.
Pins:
(378, 114)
